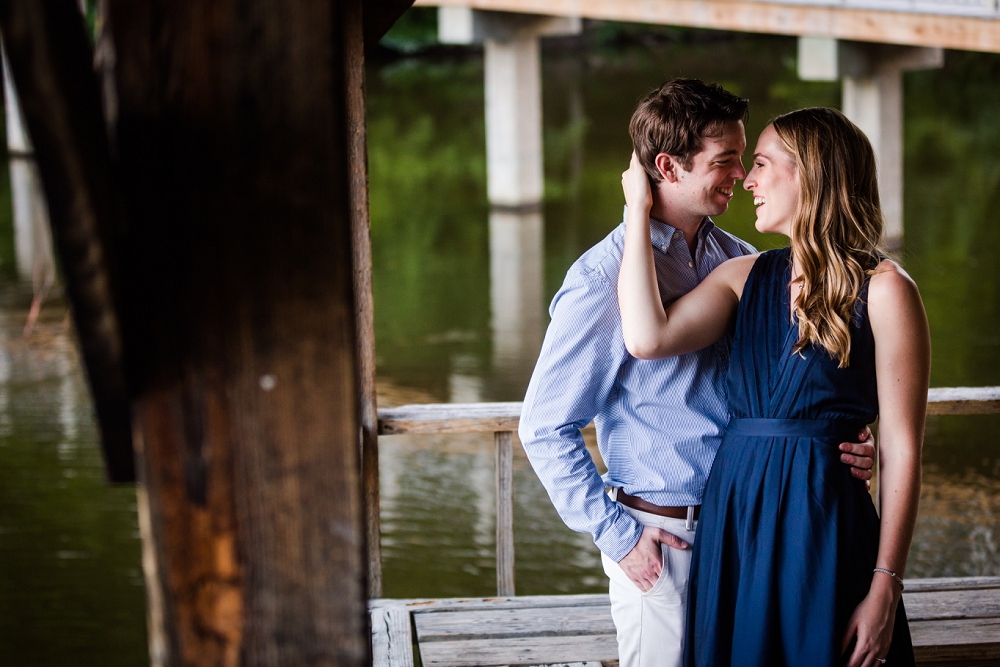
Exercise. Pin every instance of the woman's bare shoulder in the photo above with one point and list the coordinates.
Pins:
(892, 293)
(734, 272)
(891, 281)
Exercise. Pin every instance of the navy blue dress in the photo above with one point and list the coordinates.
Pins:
(787, 538)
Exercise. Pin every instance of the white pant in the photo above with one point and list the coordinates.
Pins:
(651, 625)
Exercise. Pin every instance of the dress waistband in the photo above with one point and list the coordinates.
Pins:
(844, 429)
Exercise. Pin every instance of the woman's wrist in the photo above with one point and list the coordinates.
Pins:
(886, 588)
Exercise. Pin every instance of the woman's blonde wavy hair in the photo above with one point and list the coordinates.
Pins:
(837, 225)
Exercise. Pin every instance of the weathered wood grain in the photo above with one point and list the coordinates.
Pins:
(542, 621)
(507, 623)
(238, 319)
(954, 604)
(520, 651)
(449, 418)
(964, 639)
(364, 312)
(953, 620)
(392, 640)
(951, 583)
(970, 33)
(504, 470)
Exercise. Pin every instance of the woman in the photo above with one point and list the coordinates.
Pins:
(792, 565)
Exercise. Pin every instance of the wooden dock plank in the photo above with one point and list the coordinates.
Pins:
(951, 584)
(550, 621)
(519, 651)
(521, 602)
(953, 621)
(952, 604)
(506, 623)
(392, 641)
(955, 640)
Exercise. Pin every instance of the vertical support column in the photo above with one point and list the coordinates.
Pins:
(503, 445)
(514, 121)
(512, 65)
(32, 238)
(875, 104)
(873, 98)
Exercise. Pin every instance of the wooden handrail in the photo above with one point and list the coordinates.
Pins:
(502, 419)
(493, 417)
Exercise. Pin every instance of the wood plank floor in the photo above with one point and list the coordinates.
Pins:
(953, 622)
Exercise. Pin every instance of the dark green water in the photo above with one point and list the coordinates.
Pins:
(70, 582)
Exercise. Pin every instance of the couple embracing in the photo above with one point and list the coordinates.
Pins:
(692, 353)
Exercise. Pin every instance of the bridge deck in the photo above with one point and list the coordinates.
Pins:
(953, 622)
(971, 25)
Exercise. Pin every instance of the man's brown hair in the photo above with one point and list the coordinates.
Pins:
(677, 116)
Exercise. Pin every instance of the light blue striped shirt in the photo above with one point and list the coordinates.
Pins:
(659, 423)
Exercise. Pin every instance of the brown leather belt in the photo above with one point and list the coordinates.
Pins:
(643, 506)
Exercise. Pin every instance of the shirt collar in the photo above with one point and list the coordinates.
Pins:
(661, 234)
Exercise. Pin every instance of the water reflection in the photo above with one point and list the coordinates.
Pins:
(516, 256)
(70, 588)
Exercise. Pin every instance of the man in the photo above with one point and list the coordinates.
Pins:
(659, 423)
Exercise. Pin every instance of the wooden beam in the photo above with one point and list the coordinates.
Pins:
(51, 62)
(487, 417)
(450, 418)
(963, 401)
(239, 321)
(864, 25)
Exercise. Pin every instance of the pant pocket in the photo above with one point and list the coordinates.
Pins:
(672, 584)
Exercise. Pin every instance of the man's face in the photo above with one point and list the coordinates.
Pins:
(707, 187)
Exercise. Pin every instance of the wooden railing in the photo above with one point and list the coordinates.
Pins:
(501, 419)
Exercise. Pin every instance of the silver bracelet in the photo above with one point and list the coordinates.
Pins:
(893, 575)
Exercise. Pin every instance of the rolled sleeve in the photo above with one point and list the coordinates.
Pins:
(576, 373)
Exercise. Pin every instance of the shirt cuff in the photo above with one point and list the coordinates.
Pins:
(620, 537)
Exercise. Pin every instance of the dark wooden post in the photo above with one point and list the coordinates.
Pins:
(363, 300)
(233, 137)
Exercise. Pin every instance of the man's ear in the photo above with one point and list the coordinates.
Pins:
(667, 165)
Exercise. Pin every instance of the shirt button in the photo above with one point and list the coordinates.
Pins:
(691, 264)
(663, 248)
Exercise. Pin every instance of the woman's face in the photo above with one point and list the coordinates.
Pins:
(774, 182)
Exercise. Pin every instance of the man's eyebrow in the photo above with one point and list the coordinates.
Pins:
(731, 151)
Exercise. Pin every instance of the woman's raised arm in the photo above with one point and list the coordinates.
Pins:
(694, 321)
